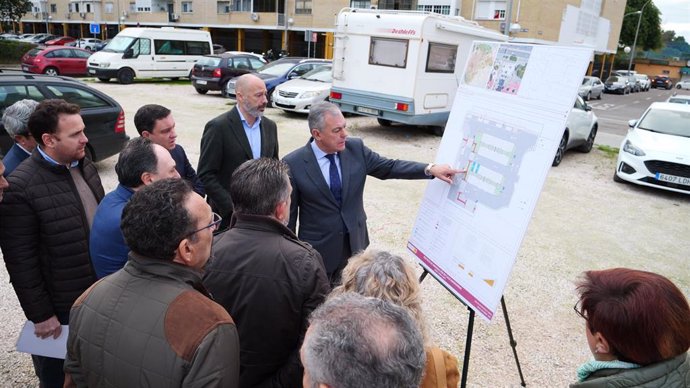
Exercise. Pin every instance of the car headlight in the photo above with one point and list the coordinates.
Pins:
(309, 94)
(631, 149)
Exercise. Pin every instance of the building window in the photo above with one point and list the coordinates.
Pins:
(108, 8)
(53, 8)
(143, 9)
(302, 7)
(492, 10)
(360, 4)
(396, 4)
(242, 5)
(440, 9)
(223, 7)
(132, 7)
(88, 7)
(187, 7)
(264, 6)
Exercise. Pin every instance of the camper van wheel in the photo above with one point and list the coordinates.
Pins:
(174, 78)
(201, 91)
(103, 79)
(125, 76)
(384, 122)
(438, 130)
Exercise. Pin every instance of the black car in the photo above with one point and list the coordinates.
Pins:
(102, 115)
(662, 81)
(212, 72)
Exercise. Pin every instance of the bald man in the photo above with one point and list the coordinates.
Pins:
(233, 138)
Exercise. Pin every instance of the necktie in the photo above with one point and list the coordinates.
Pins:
(336, 184)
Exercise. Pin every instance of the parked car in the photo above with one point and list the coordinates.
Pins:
(100, 46)
(277, 72)
(9, 36)
(299, 94)
(617, 84)
(103, 116)
(679, 98)
(685, 84)
(580, 130)
(662, 81)
(212, 72)
(591, 87)
(87, 43)
(656, 150)
(60, 41)
(41, 38)
(644, 81)
(55, 60)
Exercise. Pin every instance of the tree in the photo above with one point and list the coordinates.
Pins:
(13, 10)
(650, 33)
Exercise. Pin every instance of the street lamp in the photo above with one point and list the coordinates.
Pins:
(637, 30)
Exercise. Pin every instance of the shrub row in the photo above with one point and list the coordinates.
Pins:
(11, 51)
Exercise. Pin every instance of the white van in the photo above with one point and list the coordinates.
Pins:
(401, 66)
(149, 53)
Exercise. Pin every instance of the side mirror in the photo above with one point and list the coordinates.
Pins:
(632, 123)
(587, 107)
(292, 75)
(129, 53)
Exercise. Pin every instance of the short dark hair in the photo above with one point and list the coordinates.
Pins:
(155, 219)
(356, 341)
(146, 117)
(46, 116)
(644, 317)
(136, 158)
(258, 185)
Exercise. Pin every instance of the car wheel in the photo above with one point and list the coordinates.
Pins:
(587, 147)
(104, 79)
(678, 86)
(174, 78)
(201, 91)
(50, 71)
(588, 96)
(438, 130)
(599, 96)
(384, 122)
(125, 76)
(616, 178)
(561, 149)
(87, 48)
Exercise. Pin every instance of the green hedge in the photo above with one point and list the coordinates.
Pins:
(11, 51)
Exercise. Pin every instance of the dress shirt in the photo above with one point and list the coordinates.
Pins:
(325, 164)
(253, 134)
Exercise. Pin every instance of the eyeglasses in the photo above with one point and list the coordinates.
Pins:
(217, 219)
(579, 312)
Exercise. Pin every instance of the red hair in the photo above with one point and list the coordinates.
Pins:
(644, 317)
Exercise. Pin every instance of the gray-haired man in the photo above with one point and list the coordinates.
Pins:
(15, 120)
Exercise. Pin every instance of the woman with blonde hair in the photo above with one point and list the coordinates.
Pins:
(389, 277)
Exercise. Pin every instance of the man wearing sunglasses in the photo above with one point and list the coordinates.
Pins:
(266, 278)
(152, 323)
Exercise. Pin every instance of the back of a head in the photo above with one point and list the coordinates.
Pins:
(359, 342)
(644, 317)
(156, 219)
(135, 159)
(45, 117)
(258, 185)
(16, 117)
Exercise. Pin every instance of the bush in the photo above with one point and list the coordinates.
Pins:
(11, 51)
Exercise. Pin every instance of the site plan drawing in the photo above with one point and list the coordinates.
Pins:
(502, 132)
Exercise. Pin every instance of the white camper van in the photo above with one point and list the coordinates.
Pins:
(149, 53)
(401, 66)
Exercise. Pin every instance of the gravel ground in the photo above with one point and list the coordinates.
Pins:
(583, 221)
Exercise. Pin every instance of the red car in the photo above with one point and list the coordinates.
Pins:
(61, 41)
(56, 60)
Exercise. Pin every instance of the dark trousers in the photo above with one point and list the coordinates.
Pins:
(334, 277)
(49, 371)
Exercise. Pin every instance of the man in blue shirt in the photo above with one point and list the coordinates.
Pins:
(156, 122)
(140, 163)
(15, 120)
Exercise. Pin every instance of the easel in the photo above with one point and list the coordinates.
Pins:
(468, 340)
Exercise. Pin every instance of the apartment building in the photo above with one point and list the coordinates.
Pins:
(259, 25)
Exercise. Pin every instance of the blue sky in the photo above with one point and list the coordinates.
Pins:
(675, 15)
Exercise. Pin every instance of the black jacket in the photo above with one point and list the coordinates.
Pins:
(44, 236)
(269, 282)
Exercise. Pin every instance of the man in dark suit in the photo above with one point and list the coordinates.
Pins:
(330, 208)
(233, 138)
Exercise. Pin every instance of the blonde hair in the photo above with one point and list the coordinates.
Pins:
(386, 276)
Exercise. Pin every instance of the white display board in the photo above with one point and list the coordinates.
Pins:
(504, 128)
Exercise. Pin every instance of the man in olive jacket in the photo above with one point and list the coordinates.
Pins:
(152, 324)
(266, 278)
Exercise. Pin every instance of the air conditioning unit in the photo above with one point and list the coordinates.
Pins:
(255, 16)
(175, 17)
(82, 15)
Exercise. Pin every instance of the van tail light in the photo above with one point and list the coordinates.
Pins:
(401, 107)
(120, 123)
(216, 73)
(336, 96)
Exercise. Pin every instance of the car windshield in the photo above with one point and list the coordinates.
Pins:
(670, 122)
(320, 74)
(586, 81)
(276, 68)
(642, 77)
(679, 100)
(119, 44)
(34, 51)
(209, 61)
(612, 79)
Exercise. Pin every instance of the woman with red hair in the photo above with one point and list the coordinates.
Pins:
(638, 330)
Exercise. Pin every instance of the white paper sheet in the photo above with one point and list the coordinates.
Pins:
(48, 347)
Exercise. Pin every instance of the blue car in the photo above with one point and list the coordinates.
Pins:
(277, 72)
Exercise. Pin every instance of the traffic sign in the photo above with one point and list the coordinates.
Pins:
(95, 28)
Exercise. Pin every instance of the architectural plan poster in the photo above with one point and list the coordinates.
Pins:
(504, 128)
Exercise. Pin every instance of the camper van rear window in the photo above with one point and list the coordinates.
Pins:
(388, 52)
(441, 58)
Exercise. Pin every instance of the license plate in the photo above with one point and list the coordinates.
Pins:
(201, 82)
(367, 110)
(25, 68)
(92, 71)
(680, 180)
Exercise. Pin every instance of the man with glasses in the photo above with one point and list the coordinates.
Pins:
(266, 278)
(140, 163)
(45, 221)
(152, 323)
(234, 137)
(15, 120)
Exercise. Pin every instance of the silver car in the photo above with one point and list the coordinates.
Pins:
(591, 87)
(580, 130)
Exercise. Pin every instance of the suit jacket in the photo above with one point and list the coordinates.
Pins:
(185, 169)
(322, 222)
(224, 146)
(13, 158)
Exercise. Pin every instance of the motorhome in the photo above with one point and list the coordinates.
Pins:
(150, 53)
(401, 66)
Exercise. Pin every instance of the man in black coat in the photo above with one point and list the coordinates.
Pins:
(233, 138)
(266, 278)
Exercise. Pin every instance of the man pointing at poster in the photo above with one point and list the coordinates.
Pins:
(328, 176)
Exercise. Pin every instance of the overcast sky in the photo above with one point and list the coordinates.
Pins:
(675, 15)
